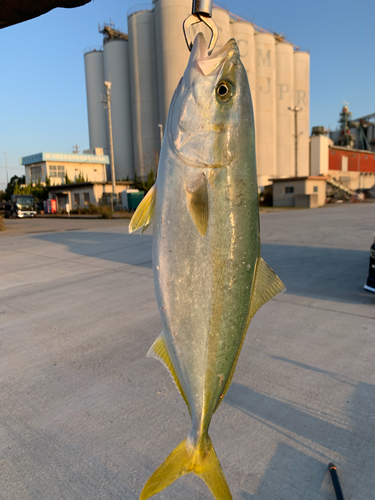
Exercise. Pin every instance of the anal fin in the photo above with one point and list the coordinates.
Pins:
(266, 286)
(144, 214)
(159, 350)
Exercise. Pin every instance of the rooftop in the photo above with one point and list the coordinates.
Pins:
(65, 157)
(310, 178)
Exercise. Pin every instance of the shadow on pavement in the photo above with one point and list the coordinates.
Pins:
(292, 474)
(289, 472)
(333, 375)
(131, 249)
(323, 273)
(317, 427)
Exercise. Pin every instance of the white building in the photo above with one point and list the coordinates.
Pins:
(74, 179)
(62, 167)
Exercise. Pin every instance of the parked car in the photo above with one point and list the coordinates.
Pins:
(20, 205)
(370, 282)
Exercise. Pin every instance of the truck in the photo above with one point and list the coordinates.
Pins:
(20, 205)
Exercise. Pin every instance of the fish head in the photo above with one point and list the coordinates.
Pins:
(211, 107)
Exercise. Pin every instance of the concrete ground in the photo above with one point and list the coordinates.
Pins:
(85, 415)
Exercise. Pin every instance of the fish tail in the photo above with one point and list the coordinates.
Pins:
(202, 461)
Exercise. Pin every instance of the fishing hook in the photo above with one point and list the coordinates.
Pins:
(201, 12)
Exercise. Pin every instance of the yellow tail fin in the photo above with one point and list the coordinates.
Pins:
(202, 461)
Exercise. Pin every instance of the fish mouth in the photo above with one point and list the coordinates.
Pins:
(210, 63)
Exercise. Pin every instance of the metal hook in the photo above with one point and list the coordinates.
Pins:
(208, 21)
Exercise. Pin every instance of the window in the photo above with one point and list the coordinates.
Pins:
(57, 171)
(315, 189)
(86, 198)
(76, 199)
(289, 190)
(35, 174)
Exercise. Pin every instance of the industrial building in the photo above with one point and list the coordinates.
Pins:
(145, 65)
(353, 169)
(346, 156)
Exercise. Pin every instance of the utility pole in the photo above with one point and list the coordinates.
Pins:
(108, 104)
(6, 166)
(76, 149)
(161, 134)
(295, 110)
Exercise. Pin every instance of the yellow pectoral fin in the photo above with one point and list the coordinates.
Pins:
(144, 214)
(159, 350)
(197, 201)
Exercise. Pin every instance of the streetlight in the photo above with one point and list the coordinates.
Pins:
(107, 102)
(295, 110)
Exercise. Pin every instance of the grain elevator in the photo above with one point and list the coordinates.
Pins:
(145, 65)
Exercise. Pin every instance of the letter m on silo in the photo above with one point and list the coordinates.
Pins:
(264, 60)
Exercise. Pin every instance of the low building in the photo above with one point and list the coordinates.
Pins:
(299, 192)
(352, 168)
(74, 179)
(81, 194)
(62, 167)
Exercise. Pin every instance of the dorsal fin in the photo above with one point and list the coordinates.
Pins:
(266, 284)
(144, 214)
(159, 350)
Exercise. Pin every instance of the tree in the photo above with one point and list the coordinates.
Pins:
(14, 181)
(80, 177)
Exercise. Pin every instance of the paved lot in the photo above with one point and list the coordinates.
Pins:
(84, 415)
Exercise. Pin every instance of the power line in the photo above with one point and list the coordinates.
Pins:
(12, 168)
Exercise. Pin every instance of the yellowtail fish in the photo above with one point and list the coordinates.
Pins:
(209, 276)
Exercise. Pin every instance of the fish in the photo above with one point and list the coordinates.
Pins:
(209, 276)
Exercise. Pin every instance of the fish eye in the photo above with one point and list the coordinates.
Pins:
(224, 91)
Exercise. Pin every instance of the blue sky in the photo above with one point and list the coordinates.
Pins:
(42, 84)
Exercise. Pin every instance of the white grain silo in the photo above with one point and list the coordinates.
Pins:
(302, 100)
(172, 53)
(222, 20)
(285, 117)
(144, 90)
(95, 90)
(116, 70)
(243, 33)
(266, 108)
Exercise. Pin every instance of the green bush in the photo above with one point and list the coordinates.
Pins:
(145, 185)
(104, 211)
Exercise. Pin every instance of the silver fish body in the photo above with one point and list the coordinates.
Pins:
(206, 248)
